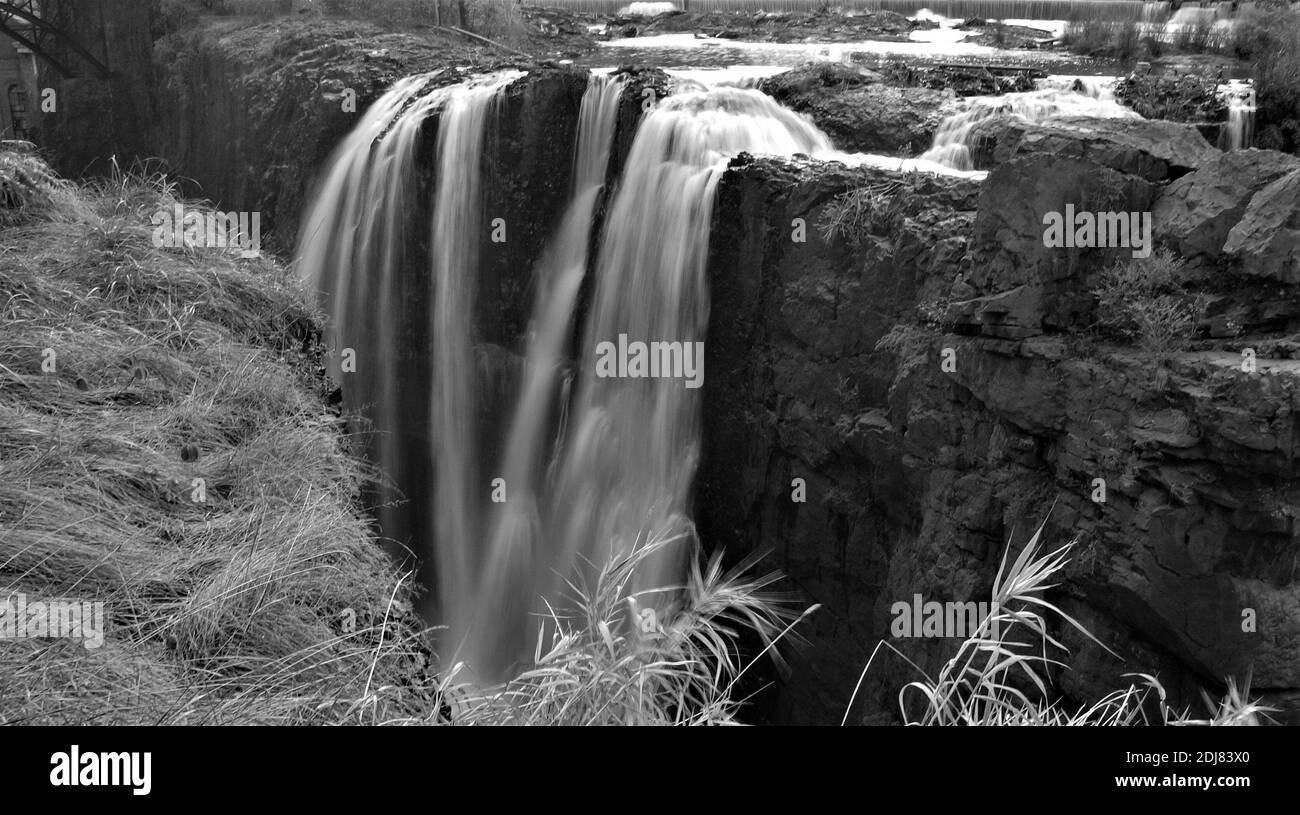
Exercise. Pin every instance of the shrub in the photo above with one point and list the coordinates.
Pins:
(1250, 35)
(1187, 98)
(1101, 38)
(1127, 44)
(1142, 300)
(1086, 37)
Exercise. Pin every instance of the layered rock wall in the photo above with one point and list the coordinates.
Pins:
(918, 476)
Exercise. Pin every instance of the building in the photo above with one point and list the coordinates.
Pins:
(18, 84)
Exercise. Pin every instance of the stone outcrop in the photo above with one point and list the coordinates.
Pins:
(964, 81)
(860, 114)
(1152, 149)
(826, 366)
(1196, 213)
(1266, 241)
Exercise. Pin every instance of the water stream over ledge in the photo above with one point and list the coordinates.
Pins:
(518, 501)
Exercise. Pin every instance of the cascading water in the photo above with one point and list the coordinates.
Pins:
(353, 251)
(599, 457)
(496, 628)
(457, 220)
(1238, 132)
(641, 435)
(1053, 98)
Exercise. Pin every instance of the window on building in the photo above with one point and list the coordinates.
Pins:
(18, 111)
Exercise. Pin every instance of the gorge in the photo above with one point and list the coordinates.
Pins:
(479, 232)
(823, 360)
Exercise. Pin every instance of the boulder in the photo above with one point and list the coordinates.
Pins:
(860, 114)
(1266, 241)
(1195, 214)
(1151, 149)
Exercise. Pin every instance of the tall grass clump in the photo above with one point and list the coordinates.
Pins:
(1000, 673)
(28, 188)
(611, 660)
(859, 213)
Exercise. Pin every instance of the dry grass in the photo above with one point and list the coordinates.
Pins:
(999, 675)
(117, 356)
(859, 213)
(612, 661)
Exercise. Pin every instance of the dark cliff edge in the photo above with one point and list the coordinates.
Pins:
(250, 114)
(917, 478)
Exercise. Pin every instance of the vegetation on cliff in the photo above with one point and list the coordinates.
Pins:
(168, 448)
(166, 451)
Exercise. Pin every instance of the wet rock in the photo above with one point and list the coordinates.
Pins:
(798, 387)
(527, 186)
(1026, 287)
(815, 78)
(1154, 150)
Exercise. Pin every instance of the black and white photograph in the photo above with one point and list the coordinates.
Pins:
(707, 362)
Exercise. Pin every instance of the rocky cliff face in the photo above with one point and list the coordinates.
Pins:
(917, 476)
(251, 114)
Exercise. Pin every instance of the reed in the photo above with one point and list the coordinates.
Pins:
(1000, 675)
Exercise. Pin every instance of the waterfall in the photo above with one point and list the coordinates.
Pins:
(496, 629)
(457, 222)
(623, 455)
(1053, 98)
(625, 474)
(354, 253)
(1238, 132)
(598, 457)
